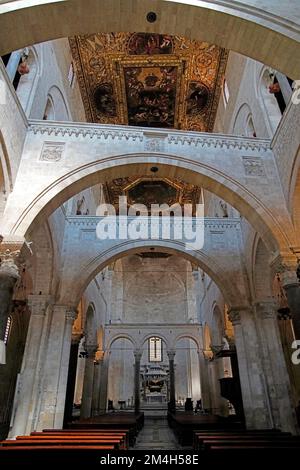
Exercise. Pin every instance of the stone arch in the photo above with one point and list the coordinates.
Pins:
(231, 293)
(242, 122)
(243, 26)
(56, 106)
(294, 194)
(111, 340)
(187, 336)
(247, 204)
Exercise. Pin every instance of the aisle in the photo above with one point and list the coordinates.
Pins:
(156, 434)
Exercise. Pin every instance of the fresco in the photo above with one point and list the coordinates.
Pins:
(149, 80)
(152, 192)
(151, 96)
(149, 44)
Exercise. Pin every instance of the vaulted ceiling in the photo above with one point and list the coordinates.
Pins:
(151, 80)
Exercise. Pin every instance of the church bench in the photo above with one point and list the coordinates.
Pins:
(85, 432)
(78, 437)
(61, 442)
(253, 448)
(184, 425)
(199, 437)
(211, 444)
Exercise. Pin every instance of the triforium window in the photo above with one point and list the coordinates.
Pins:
(7, 329)
(155, 349)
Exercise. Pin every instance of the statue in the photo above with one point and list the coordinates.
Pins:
(8, 260)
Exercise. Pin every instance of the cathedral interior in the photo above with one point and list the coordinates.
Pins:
(110, 114)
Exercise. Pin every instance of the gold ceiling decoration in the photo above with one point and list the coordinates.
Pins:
(151, 80)
(152, 190)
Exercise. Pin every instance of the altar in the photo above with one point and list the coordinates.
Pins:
(155, 384)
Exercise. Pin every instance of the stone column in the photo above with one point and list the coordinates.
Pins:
(71, 377)
(285, 87)
(26, 394)
(279, 389)
(97, 383)
(13, 64)
(104, 383)
(290, 283)
(87, 392)
(172, 402)
(56, 368)
(9, 274)
(205, 389)
(137, 372)
(253, 383)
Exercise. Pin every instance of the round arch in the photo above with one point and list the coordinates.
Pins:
(294, 194)
(231, 293)
(243, 26)
(112, 340)
(187, 336)
(248, 204)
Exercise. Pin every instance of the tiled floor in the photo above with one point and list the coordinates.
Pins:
(156, 435)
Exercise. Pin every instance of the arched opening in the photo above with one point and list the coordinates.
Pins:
(120, 392)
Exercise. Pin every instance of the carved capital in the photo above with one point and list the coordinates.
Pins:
(235, 317)
(171, 354)
(138, 354)
(38, 304)
(9, 263)
(76, 337)
(99, 356)
(91, 350)
(266, 310)
(71, 314)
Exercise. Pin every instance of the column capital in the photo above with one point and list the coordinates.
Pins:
(99, 356)
(267, 309)
(171, 354)
(76, 337)
(71, 314)
(9, 263)
(91, 350)
(38, 303)
(138, 354)
(235, 313)
(234, 316)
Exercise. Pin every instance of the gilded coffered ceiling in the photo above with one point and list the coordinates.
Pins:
(152, 190)
(151, 80)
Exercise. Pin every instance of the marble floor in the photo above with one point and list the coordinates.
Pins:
(156, 435)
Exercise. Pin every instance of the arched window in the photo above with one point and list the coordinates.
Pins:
(7, 329)
(155, 349)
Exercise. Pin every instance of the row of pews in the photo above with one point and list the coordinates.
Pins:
(251, 441)
(82, 440)
(215, 437)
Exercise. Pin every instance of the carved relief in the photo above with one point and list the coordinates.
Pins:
(253, 166)
(154, 144)
(52, 151)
